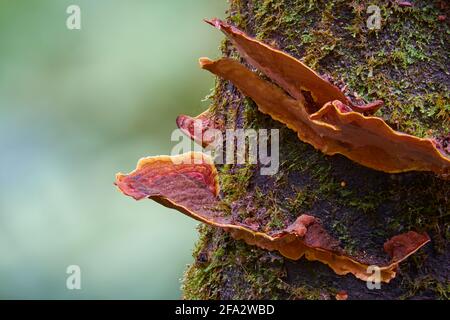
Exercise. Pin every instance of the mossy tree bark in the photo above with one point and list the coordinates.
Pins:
(405, 64)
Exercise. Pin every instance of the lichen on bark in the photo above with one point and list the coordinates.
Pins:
(404, 64)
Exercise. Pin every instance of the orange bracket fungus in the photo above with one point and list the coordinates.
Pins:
(189, 184)
(202, 123)
(342, 295)
(320, 113)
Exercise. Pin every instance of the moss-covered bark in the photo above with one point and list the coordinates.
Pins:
(406, 65)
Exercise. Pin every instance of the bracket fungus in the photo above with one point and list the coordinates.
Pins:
(203, 123)
(329, 121)
(321, 115)
(189, 184)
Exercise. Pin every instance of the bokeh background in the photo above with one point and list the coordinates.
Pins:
(75, 108)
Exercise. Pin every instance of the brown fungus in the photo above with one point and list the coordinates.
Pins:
(198, 128)
(287, 72)
(337, 126)
(342, 295)
(189, 184)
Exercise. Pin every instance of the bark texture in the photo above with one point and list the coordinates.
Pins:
(405, 63)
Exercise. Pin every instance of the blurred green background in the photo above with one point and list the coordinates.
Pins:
(75, 108)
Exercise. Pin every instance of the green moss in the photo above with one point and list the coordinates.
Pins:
(350, 244)
(378, 77)
(277, 218)
(309, 293)
(236, 14)
(198, 277)
(321, 41)
(301, 202)
(260, 275)
(235, 180)
(426, 285)
(268, 15)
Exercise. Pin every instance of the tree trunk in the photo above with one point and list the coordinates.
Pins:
(405, 64)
